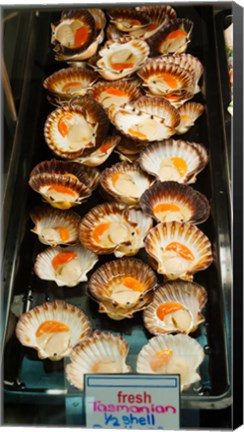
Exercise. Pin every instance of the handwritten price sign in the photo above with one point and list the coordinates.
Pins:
(132, 401)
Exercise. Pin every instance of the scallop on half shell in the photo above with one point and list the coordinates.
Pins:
(128, 20)
(176, 308)
(172, 201)
(63, 184)
(180, 249)
(146, 119)
(55, 227)
(71, 129)
(66, 266)
(172, 160)
(174, 37)
(124, 182)
(168, 354)
(121, 58)
(53, 329)
(114, 228)
(159, 17)
(101, 154)
(189, 113)
(122, 287)
(101, 353)
(115, 92)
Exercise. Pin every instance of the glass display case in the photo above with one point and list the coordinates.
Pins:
(38, 388)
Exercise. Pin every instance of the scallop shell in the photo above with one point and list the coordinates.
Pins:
(101, 353)
(179, 161)
(66, 266)
(115, 93)
(69, 82)
(176, 308)
(168, 354)
(101, 154)
(128, 20)
(171, 201)
(112, 228)
(53, 345)
(123, 286)
(163, 79)
(129, 150)
(124, 182)
(113, 63)
(146, 119)
(100, 19)
(159, 16)
(189, 113)
(63, 184)
(67, 33)
(55, 227)
(180, 249)
(71, 129)
(167, 39)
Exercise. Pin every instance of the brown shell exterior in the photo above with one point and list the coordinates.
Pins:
(132, 91)
(101, 278)
(40, 212)
(159, 107)
(164, 291)
(156, 40)
(68, 73)
(116, 14)
(157, 13)
(160, 192)
(90, 219)
(121, 167)
(97, 336)
(194, 107)
(88, 20)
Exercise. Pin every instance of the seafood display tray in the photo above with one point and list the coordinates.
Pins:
(28, 379)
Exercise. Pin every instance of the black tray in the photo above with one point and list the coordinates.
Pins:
(27, 379)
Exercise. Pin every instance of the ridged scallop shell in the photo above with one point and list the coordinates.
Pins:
(63, 184)
(99, 17)
(65, 34)
(176, 308)
(101, 353)
(165, 40)
(187, 62)
(183, 355)
(73, 128)
(115, 93)
(168, 201)
(69, 82)
(116, 228)
(124, 182)
(164, 79)
(75, 263)
(129, 150)
(114, 56)
(128, 20)
(101, 154)
(180, 249)
(189, 113)
(111, 285)
(55, 227)
(146, 119)
(159, 16)
(51, 345)
(160, 160)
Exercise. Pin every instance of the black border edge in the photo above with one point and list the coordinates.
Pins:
(237, 149)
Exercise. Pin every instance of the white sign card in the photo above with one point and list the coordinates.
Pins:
(132, 401)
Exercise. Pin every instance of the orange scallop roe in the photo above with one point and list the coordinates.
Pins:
(176, 34)
(121, 66)
(63, 126)
(180, 164)
(170, 80)
(152, 27)
(161, 358)
(71, 84)
(165, 207)
(137, 133)
(172, 97)
(181, 250)
(51, 326)
(81, 36)
(168, 308)
(104, 148)
(115, 92)
(134, 22)
(133, 284)
(64, 233)
(63, 258)
(100, 230)
(115, 177)
(61, 189)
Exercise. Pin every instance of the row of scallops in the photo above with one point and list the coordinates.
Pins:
(129, 96)
(57, 330)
